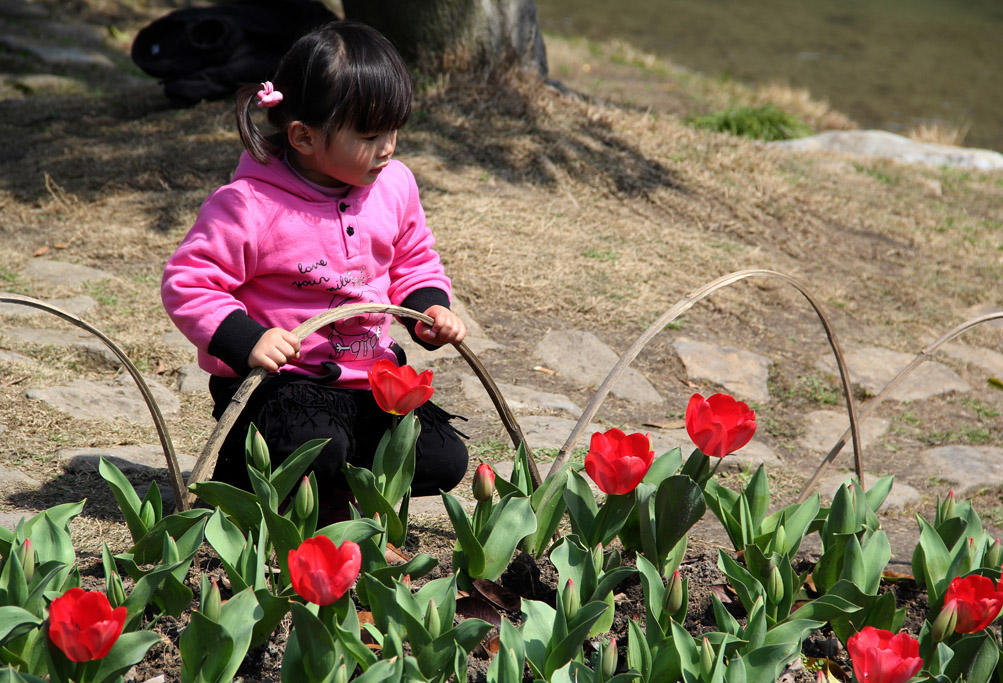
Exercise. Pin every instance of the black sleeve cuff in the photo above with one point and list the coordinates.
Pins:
(420, 300)
(234, 339)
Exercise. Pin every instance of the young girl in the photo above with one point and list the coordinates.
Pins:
(317, 216)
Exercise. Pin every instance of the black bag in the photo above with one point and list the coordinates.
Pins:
(205, 53)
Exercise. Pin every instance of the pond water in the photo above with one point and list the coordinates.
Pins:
(890, 64)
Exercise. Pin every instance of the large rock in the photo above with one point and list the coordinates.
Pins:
(824, 427)
(68, 340)
(964, 469)
(741, 372)
(519, 398)
(873, 368)
(885, 145)
(421, 358)
(79, 306)
(117, 399)
(62, 273)
(140, 459)
(581, 358)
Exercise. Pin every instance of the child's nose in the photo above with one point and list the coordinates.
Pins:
(388, 146)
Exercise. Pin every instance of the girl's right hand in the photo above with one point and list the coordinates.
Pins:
(275, 348)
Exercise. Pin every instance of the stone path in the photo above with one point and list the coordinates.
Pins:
(576, 357)
(547, 418)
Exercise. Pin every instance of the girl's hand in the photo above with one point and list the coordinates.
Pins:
(447, 328)
(275, 348)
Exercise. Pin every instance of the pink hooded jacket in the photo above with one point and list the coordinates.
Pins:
(269, 250)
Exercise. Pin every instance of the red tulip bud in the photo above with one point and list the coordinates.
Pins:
(484, 483)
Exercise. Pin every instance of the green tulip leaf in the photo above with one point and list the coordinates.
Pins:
(468, 543)
(507, 665)
(679, 504)
(126, 496)
(239, 505)
(273, 610)
(562, 651)
(225, 538)
(581, 503)
(149, 549)
(437, 657)
(537, 628)
(511, 520)
(128, 650)
(316, 644)
(287, 475)
(206, 649)
(638, 652)
(15, 621)
(549, 505)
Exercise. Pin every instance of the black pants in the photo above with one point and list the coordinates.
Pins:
(290, 409)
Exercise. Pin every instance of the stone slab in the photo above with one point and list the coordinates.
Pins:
(421, 358)
(964, 469)
(519, 398)
(743, 373)
(192, 379)
(873, 368)
(580, 357)
(117, 399)
(139, 459)
(79, 306)
(885, 145)
(985, 309)
(63, 273)
(57, 54)
(824, 427)
(12, 357)
(10, 518)
(984, 359)
(9, 476)
(69, 339)
(552, 432)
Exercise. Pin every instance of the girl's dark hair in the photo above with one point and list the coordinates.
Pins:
(342, 74)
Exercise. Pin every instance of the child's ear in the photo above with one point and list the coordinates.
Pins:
(303, 138)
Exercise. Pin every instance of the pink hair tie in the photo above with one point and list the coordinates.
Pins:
(268, 96)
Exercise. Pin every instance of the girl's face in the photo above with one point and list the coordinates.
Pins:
(347, 157)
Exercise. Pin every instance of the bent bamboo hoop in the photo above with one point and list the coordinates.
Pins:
(207, 460)
(158, 420)
(924, 355)
(681, 307)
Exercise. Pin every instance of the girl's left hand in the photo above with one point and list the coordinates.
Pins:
(446, 329)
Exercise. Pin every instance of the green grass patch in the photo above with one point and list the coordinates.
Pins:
(762, 123)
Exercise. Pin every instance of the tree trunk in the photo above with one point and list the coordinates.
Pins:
(458, 35)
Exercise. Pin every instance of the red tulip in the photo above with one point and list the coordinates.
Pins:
(977, 600)
(399, 390)
(616, 462)
(83, 625)
(881, 656)
(719, 425)
(322, 572)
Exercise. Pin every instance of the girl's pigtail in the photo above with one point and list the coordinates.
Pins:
(257, 145)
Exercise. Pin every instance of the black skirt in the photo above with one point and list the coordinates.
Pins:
(290, 409)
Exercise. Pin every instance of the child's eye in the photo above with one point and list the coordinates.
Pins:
(370, 138)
